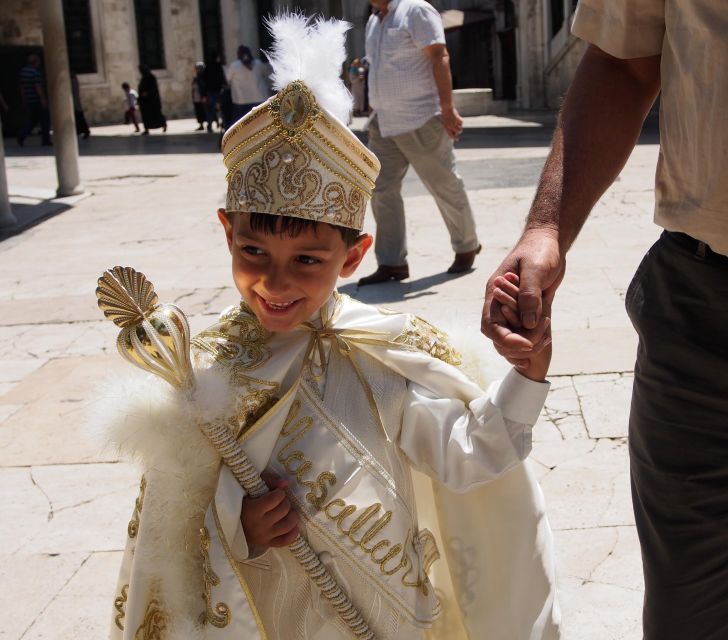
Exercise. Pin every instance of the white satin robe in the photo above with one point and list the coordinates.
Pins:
(356, 478)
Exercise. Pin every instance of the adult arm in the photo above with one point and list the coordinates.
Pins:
(598, 127)
(440, 59)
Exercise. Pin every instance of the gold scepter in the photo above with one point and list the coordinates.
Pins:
(156, 337)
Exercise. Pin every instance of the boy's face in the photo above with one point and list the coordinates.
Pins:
(286, 280)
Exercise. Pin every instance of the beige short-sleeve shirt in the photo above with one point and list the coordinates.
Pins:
(692, 37)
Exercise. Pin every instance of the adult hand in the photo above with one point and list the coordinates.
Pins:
(453, 122)
(540, 266)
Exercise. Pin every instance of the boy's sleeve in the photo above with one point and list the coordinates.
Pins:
(464, 445)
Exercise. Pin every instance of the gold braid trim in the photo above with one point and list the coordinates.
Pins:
(120, 606)
(219, 615)
(133, 527)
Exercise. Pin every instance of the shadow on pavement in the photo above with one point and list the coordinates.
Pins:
(156, 143)
(29, 215)
(512, 130)
(394, 291)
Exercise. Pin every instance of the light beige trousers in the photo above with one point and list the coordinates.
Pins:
(430, 152)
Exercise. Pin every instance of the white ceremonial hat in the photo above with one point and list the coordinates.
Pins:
(293, 155)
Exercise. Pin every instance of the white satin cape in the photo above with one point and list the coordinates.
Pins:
(495, 577)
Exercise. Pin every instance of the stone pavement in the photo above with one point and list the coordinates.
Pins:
(66, 504)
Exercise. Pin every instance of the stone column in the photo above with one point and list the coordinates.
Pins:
(248, 21)
(357, 13)
(7, 219)
(60, 100)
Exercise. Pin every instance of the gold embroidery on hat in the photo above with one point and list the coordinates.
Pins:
(296, 188)
(298, 160)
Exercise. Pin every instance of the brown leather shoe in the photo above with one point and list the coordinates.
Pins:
(385, 274)
(464, 261)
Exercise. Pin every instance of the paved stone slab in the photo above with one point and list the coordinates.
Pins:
(7, 410)
(15, 370)
(25, 509)
(605, 401)
(590, 489)
(66, 379)
(600, 611)
(87, 507)
(82, 609)
(42, 433)
(31, 582)
(600, 580)
(561, 418)
(589, 351)
(30, 341)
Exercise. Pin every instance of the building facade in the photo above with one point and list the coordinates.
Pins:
(547, 53)
(520, 48)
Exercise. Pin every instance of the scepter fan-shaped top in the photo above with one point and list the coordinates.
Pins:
(125, 296)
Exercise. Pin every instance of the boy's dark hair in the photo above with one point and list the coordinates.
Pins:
(286, 225)
(125, 85)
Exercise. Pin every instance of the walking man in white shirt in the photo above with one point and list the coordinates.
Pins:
(415, 123)
(248, 85)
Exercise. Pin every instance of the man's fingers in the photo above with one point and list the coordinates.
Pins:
(511, 315)
(529, 306)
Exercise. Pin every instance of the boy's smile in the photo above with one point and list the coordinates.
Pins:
(286, 279)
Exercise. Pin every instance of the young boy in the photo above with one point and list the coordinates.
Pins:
(131, 101)
(335, 402)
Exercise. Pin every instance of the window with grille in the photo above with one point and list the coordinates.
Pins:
(150, 39)
(79, 36)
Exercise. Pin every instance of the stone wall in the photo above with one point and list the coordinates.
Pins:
(561, 69)
(20, 23)
(116, 53)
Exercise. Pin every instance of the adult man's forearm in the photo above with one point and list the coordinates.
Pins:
(599, 125)
(443, 79)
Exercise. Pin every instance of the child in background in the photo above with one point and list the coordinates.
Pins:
(131, 102)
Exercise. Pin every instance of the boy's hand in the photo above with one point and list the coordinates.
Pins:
(270, 521)
(532, 366)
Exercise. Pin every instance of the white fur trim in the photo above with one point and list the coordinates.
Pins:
(481, 362)
(157, 426)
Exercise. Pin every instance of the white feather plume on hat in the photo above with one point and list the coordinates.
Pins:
(313, 51)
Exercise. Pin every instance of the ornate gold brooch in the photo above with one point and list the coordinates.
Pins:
(294, 109)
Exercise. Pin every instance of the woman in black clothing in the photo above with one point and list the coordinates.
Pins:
(150, 104)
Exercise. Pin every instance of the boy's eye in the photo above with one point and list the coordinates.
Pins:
(251, 250)
(308, 260)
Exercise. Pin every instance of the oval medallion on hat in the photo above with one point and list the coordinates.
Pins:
(294, 107)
